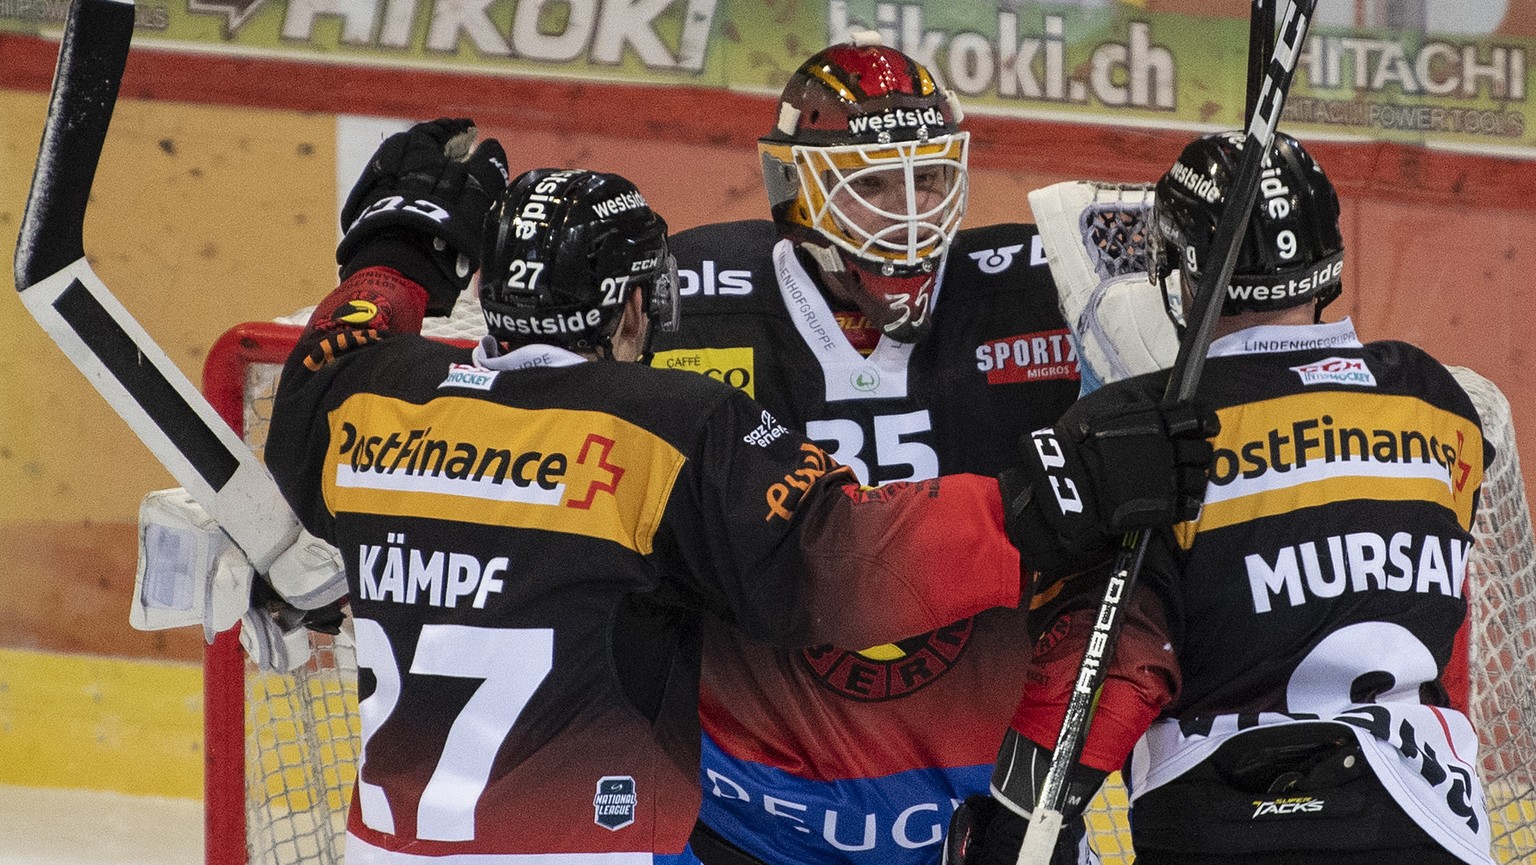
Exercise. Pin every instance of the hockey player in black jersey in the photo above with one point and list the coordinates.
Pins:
(1281, 673)
(533, 529)
(864, 315)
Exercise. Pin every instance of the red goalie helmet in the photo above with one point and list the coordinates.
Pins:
(866, 172)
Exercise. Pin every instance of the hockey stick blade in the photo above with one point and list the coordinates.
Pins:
(95, 331)
(1046, 819)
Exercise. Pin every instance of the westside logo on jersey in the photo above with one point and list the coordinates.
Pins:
(467, 459)
(1046, 355)
(615, 801)
(734, 366)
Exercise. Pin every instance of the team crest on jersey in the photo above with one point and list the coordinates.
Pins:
(891, 671)
(614, 803)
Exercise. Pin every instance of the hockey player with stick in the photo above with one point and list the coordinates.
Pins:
(864, 315)
(1279, 675)
(532, 529)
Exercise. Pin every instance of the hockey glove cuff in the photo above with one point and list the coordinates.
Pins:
(429, 182)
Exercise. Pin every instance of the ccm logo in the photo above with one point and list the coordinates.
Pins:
(1048, 448)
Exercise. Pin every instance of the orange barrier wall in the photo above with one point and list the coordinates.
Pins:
(215, 204)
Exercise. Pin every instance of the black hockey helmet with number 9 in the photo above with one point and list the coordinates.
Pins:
(563, 250)
(1293, 251)
(866, 173)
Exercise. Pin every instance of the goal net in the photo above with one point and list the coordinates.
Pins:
(281, 749)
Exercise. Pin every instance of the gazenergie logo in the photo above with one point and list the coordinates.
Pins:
(471, 460)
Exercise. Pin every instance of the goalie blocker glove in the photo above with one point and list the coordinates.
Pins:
(1116, 462)
(419, 207)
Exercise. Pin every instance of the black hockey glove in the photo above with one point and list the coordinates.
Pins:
(1116, 462)
(985, 832)
(419, 207)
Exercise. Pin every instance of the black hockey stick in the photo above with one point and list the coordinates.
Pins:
(1045, 822)
(103, 340)
(1261, 46)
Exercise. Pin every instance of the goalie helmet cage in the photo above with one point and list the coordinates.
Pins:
(280, 750)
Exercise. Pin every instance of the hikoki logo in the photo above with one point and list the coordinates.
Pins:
(470, 376)
(615, 802)
(1336, 370)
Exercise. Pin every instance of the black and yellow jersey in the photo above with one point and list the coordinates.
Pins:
(531, 541)
(1324, 578)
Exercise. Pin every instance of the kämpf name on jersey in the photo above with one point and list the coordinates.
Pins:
(1357, 562)
(442, 578)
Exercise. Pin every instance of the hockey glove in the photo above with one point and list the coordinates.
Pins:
(984, 831)
(419, 207)
(1116, 462)
(275, 634)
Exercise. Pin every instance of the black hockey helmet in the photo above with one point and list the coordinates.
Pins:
(1293, 251)
(563, 249)
(866, 172)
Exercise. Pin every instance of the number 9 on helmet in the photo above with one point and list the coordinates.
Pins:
(563, 250)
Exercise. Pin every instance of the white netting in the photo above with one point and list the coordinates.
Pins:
(1501, 650)
(301, 730)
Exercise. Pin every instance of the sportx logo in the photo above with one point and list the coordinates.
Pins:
(1047, 355)
(414, 461)
(896, 118)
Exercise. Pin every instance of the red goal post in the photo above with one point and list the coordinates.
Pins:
(280, 750)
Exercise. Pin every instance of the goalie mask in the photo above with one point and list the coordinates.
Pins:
(1292, 253)
(866, 173)
(564, 248)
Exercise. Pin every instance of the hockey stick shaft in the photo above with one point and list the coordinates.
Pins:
(1261, 46)
(1046, 819)
(78, 311)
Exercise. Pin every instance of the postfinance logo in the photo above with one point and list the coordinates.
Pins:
(472, 460)
(1309, 449)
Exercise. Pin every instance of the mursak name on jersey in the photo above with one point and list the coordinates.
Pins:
(1047, 355)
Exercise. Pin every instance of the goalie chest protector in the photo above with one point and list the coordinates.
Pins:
(955, 402)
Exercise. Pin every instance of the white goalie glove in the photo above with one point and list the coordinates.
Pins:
(191, 573)
(1095, 236)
